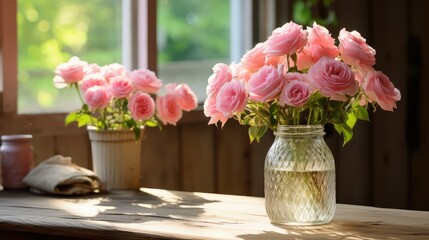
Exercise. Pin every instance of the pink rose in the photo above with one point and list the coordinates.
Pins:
(291, 76)
(304, 59)
(113, 70)
(239, 72)
(320, 44)
(70, 72)
(355, 51)
(170, 88)
(145, 80)
(379, 88)
(296, 94)
(211, 111)
(120, 87)
(92, 68)
(286, 40)
(360, 74)
(254, 59)
(97, 97)
(185, 97)
(266, 84)
(168, 111)
(231, 98)
(221, 75)
(275, 60)
(141, 106)
(92, 80)
(333, 79)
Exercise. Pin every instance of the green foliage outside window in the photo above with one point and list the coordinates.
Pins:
(50, 32)
(193, 30)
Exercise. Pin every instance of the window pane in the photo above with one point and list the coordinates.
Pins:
(192, 36)
(49, 33)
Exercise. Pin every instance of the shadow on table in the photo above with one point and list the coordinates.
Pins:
(136, 206)
(343, 230)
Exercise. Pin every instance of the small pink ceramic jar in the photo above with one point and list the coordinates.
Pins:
(17, 159)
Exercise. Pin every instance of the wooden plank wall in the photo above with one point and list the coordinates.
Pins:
(389, 129)
(384, 165)
(417, 121)
(197, 157)
(353, 161)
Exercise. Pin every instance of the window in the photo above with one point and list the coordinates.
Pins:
(50, 32)
(193, 36)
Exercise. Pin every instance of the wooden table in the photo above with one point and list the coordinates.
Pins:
(162, 214)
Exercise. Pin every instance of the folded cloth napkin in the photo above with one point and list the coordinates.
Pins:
(58, 175)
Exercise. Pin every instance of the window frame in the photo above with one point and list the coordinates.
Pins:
(142, 22)
(53, 123)
(48, 124)
(9, 57)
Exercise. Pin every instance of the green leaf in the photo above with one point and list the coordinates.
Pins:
(344, 130)
(273, 120)
(263, 112)
(245, 120)
(125, 105)
(319, 100)
(253, 131)
(71, 117)
(83, 119)
(351, 120)
(137, 133)
(131, 123)
(85, 107)
(256, 132)
(274, 109)
(151, 123)
(361, 113)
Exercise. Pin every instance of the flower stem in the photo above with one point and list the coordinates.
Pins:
(78, 93)
(284, 116)
(287, 60)
(295, 116)
(103, 119)
(316, 115)
(264, 119)
(309, 116)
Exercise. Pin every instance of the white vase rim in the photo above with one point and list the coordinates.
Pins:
(93, 128)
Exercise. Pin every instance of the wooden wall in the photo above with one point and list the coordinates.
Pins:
(384, 165)
(417, 116)
(197, 157)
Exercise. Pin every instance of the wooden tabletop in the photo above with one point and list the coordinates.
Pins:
(162, 214)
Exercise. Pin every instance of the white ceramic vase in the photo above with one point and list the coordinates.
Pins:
(116, 158)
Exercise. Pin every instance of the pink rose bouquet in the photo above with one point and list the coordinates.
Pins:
(116, 99)
(299, 76)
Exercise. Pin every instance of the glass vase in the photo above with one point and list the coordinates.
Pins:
(299, 177)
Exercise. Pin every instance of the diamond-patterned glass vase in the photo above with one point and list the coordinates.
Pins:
(299, 177)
